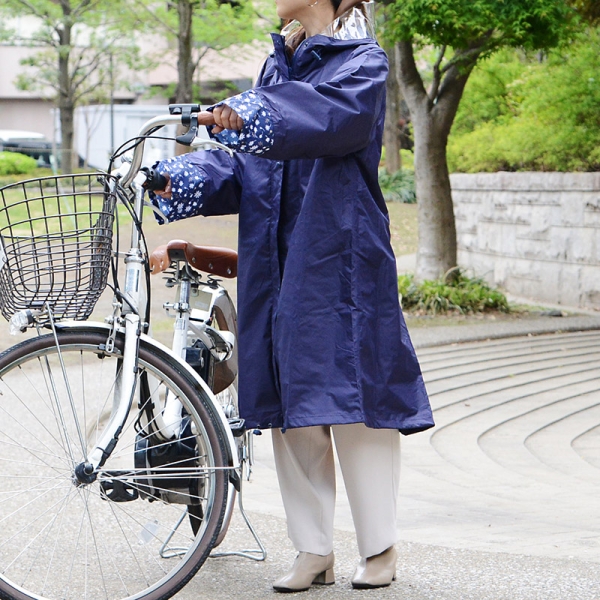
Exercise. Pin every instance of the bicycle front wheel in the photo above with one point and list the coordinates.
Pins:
(125, 533)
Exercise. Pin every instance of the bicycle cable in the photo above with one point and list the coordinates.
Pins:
(119, 152)
(125, 200)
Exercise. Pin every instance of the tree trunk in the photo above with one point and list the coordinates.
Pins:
(65, 100)
(436, 252)
(391, 139)
(432, 113)
(185, 65)
(67, 154)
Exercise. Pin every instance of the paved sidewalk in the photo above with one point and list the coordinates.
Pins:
(498, 502)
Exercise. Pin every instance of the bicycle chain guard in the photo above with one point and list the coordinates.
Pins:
(181, 453)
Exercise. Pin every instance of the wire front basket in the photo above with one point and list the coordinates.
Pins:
(55, 244)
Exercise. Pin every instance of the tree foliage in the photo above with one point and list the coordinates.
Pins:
(216, 24)
(195, 27)
(463, 23)
(474, 29)
(84, 32)
(588, 9)
(78, 47)
(520, 113)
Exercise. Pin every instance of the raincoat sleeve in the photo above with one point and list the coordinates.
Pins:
(202, 183)
(295, 119)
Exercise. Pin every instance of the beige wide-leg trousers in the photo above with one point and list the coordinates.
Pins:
(370, 464)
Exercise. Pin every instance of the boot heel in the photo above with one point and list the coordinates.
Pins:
(325, 578)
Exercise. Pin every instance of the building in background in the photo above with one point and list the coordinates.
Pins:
(97, 127)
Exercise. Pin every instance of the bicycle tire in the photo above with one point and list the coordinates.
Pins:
(228, 401)
(225, 387)
(64, 540)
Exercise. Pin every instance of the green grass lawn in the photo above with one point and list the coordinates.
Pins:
(403, 227)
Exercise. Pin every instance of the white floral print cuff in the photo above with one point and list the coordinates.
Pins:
(256, 137)
(187, 181)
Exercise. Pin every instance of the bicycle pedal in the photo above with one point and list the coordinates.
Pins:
(117, 490)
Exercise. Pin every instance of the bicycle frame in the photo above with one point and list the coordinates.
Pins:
(126, 318)
(118, 452)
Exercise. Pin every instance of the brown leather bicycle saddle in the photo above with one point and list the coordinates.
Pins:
(210, 259)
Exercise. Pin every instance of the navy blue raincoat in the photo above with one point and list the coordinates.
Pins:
(322, 340)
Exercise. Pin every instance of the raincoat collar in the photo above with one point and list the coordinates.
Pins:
(356, 23)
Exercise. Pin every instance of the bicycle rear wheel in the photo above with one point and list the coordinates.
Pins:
(108, 539)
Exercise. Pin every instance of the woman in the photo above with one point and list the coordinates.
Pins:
(324, 350)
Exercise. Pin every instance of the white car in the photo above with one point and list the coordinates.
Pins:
(29, 143)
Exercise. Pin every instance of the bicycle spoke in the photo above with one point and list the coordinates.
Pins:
(95, 546)
(33, 452)
(128, 447)
(83, 395)
(103, 408)
(58, 413)
(49, 509)
(75, 553)
(125, 537)
(146, 404)
(27, 407)
(68, 388)
(42, 484)
(27, 463)
(63, 537)
(140, 518)
(37, 419)
(61, 514)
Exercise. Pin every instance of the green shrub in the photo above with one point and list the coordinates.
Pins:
(524, 113)
(407, 159)
(14, 163)
(398, 187)
(454, 293)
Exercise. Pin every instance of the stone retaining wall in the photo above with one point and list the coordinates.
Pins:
(536, 235)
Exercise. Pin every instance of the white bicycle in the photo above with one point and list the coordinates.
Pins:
(120, 458)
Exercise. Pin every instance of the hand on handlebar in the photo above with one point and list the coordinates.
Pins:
(222, 117)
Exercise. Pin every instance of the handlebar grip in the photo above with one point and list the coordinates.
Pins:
(155, 181)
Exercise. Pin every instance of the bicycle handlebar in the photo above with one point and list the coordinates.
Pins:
(180, 114)
(138, 151)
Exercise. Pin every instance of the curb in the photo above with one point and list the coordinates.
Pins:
(458, 334)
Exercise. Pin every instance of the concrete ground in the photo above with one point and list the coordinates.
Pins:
(499, 501)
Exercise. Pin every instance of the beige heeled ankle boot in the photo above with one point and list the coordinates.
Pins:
(307, 569)
(376, 571)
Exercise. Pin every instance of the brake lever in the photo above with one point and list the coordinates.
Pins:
(190, 135)
(189, 116)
